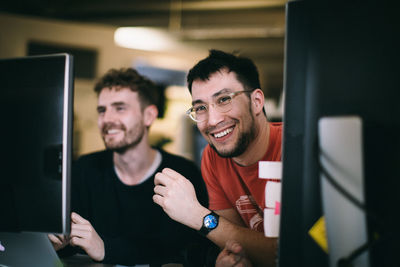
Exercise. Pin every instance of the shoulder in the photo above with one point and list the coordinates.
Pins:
(276, 130)
(89, 170)
(276, 125)
(274, 151)
(174, 159)
(97, 159)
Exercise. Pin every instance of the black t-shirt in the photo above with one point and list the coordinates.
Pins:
(134, 229)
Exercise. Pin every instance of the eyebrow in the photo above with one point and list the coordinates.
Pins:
(115, 104)
(120, 103)
(222, 91)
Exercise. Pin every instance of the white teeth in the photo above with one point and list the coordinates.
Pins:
(221, 134)
(113, 131)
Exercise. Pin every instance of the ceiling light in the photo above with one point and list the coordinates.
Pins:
(145, 38)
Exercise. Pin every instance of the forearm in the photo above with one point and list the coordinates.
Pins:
(262, 251)
(175, 194)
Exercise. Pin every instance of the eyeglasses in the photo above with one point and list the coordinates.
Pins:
(223, 103)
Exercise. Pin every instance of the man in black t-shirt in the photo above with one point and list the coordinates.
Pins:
(114, 218)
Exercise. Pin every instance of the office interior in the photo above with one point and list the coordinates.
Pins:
(253, 28)
(89, 30)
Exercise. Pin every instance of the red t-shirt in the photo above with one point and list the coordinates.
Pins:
(226, 191)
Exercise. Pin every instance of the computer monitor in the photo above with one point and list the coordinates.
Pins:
(341, 68)
(36, 101)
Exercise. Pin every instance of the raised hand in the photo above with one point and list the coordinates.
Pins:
(176, 195)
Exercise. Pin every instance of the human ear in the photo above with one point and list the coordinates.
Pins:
(150, 113)
(257, 100)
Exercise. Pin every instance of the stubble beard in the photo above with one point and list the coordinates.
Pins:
(241, 145)
(131, 139)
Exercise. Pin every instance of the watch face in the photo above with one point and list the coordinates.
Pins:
(210, 221)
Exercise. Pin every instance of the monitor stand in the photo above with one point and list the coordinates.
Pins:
(27, 249)
(341, 156)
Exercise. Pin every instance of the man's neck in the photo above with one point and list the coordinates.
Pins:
(134, 163)
(258, 147)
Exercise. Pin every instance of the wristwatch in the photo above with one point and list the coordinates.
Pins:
(210, 222)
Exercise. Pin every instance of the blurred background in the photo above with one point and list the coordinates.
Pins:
(162, 39)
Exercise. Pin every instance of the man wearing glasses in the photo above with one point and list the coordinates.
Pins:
(228, 107)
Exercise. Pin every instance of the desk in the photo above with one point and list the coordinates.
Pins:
(85, 261)
(82, 260)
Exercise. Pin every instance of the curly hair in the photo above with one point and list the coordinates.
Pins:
(130, 78)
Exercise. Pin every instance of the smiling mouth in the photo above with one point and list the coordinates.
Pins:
(113, 131)
(223, 133)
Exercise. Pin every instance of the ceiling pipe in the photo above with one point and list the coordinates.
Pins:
(183, 6)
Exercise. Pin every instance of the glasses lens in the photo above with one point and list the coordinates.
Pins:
(224, 103)
(193, 115)
(199, 116)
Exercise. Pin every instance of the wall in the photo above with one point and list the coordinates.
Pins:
(16, 31)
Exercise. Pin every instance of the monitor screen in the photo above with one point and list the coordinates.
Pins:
(341, 61)
(36, 100)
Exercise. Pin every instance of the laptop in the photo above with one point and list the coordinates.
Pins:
(27, 249)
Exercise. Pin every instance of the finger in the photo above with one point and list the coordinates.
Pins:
(238, 249)
(236, 258)
(76, 218)
(223, 253)
(80, 227)
(226, 260)
(54, 239)
(59, 237)
(234, 246)
(173, 174)
(160, 190)
(162, 179)
(82, 231)
(158, 200)
(76, 233)
(77, 241)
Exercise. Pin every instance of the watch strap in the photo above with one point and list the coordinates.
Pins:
(204, 230)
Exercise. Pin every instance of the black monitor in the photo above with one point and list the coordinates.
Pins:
(341, 62)
(36, 100)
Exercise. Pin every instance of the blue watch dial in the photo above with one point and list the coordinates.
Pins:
(210, 221)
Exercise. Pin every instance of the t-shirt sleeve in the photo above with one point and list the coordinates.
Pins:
(216, 194)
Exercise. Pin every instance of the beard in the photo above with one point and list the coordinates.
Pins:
(241, 144)
(131, 139)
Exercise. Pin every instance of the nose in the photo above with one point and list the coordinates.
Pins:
(214, 116)
(106, 117)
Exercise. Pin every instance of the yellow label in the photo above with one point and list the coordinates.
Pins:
(318, 233)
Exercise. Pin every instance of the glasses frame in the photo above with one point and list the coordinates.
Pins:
(232, 95)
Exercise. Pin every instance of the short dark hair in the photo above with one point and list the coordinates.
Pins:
(246, 71)
(130, 78)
